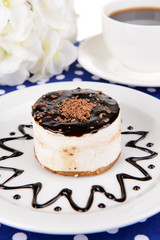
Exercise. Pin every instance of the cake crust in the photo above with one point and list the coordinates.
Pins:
(81, 173)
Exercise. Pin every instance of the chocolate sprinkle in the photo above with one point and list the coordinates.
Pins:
(75, 112)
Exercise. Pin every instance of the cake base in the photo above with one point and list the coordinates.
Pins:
(82, 173)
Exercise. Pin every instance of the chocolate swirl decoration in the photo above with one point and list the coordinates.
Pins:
(36, 187)
(75, 112)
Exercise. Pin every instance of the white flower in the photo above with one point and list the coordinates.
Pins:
(17, 24)
(59, 15)
(15, 61)
(57, 55)
(35, 37)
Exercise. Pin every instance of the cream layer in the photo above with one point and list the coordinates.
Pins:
(86, 153)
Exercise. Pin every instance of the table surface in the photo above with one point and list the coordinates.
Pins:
(147, 229)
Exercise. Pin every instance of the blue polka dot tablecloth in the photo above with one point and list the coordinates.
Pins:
(147, 229)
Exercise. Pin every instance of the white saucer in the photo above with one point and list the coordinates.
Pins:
(95, 58)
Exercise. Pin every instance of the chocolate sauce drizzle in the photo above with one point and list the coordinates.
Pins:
(57, 209)
(130, 128)
(17, 196)
(101, 205)
(15, 153)
(12, 133)
(136, 188)
(151, 166)
(67, 193)
(149, 144)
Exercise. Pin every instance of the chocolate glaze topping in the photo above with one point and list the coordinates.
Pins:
(75, 112)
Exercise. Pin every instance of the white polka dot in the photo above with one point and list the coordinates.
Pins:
(2, 92)
(151, 90)
(141, 237)
(143, 220)
(60, 77)
(79, 73)
(77, 79)
(19, 236)
(80, 237)
(21, 87)
(95, 77)
(78, 65)
(42, 81)
(113, 231)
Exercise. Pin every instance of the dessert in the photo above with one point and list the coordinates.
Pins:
(77, 132)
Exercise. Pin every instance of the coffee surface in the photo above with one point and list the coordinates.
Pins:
(138, 16)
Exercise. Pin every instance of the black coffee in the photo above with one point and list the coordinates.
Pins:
(138, 16)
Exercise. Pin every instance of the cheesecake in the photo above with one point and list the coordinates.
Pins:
(77, 132)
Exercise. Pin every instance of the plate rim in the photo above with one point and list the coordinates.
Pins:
(78, 216)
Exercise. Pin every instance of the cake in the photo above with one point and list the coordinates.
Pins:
(77, 132)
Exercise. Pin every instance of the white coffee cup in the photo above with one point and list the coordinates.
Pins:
(135, 46)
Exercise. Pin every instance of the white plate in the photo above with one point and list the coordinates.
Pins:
(137, 111)
(95, 58)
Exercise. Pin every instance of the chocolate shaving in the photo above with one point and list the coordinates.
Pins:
(53, 96)
(101, 115)
(106, 120)
(108, 110)
(76, 108)
(59, 92)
